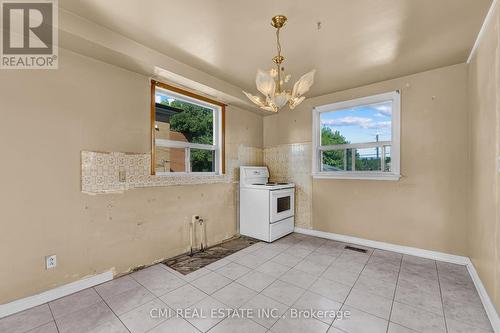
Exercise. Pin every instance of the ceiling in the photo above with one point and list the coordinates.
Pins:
(359, 42)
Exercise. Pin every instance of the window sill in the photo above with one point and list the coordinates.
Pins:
(360, 176)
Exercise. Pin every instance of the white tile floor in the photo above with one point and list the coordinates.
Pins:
(383, 292)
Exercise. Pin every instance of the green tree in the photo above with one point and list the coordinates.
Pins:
(334, 158)
(196, 124)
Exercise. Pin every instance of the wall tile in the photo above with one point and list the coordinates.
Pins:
(100, 170)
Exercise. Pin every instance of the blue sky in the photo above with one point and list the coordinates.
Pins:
(361, 124)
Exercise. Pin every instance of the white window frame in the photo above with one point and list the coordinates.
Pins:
(217, 133)
(394, 174)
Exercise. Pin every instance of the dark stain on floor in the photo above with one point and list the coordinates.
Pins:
(186, 263)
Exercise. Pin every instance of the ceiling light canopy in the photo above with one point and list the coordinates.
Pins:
(271, 83)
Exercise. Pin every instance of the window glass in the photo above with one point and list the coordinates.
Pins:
(182, 121)
(358, 138)
(202, 160)
(366, 123)
(170, 159)
(187, 132)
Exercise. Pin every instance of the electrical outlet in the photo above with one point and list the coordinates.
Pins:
(50, 261)
(122, 175)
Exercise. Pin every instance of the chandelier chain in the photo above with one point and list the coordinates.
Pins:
(278, 63)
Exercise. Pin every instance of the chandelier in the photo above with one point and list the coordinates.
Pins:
(271, 83)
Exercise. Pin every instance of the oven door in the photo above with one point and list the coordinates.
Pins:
(282, 204)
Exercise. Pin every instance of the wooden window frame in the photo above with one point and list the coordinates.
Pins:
(221, 126)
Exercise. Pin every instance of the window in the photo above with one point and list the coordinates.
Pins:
(357, 139)
(187, 132)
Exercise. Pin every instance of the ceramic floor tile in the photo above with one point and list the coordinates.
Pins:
(378, 273)
(353, 257)
(265, 310)
(387, 264)
(422, 271)
(319, 258)
(297, 273)
(158, 280)
(217, 264)
(74, 302)
(334, 330)
(211, 282)
(416, 319)
(372, 304)
(251, 261)
(116, 286)
(299, 251)
(333, 290)
(423, 262)
(340, 266)
(341, 275)
(417, 298)
(287, 259)
(298, 278)
(85, 319)
(146, 316)
(333, 252)
(256, 280)
(278, 247)
(311, 301)
(113, 326)
(471, 312)
(460, 327)
(183, 297)
(26, 320)
(304, 247)
(283, 292)
(255, 247)
(46, 328)
(417, 283)
(195, 275)
(396, 328)
(459, 293)
(240, 325)
(387, 255)
(266, 253)
(234, 295)
(233, 270)
(376, 287)
(311, 267)
(290, 324)
(272, 268)
(360, 322)
(174, 325)
(129, 299)
(236, 256)
(205, 314)
(452, 270)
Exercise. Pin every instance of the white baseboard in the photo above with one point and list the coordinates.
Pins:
(52, 294)
(485, 298)
(387, 246)
(435, 255)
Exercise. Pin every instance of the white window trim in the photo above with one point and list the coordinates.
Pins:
(395, 97)
(217, 146)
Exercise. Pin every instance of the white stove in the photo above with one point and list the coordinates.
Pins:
(267, 209)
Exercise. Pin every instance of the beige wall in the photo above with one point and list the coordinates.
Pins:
(47, 118)
(484, 104)
(427, 207)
